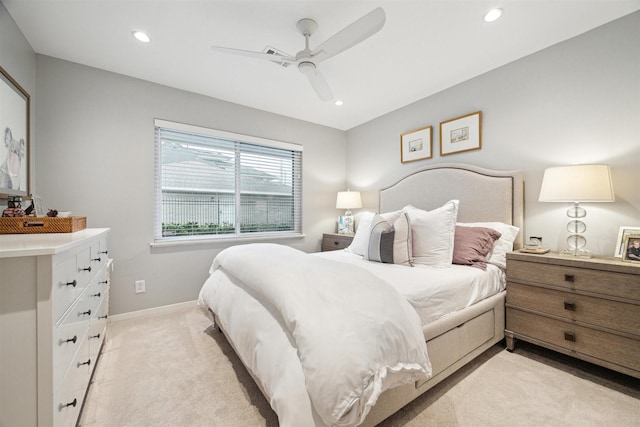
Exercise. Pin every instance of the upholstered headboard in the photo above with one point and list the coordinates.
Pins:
(484, 194)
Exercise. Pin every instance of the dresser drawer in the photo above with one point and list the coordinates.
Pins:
(605, 346)
(615, 315)
(69, 336)
(332, 242)
(98, 289)
(66, 286)
(99, 254)
(97, 329)
(69, 396)
(85, 267)
(605, 283)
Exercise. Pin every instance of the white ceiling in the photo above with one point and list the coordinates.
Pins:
(425, 46)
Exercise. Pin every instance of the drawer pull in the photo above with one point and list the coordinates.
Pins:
(73, 340)
(74, 283)
(570, 306)
(63, 405)
(104, 282)
(96, 259)
(570, 336)
(85, 313)
(86, 269)
(569, 278)
(103, 252)
(103, 317)
(88, 363)
(94, 336)
(96, 295)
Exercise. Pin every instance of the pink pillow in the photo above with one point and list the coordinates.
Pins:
(471, 245)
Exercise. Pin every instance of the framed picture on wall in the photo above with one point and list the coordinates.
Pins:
(415, 145)
(14, 128)
(622, 235)
(461, 134)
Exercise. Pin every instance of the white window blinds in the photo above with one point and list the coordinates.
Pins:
(212, 184)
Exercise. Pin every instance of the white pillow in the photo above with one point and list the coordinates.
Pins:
(392, 216)
(498, 255)
(432, 234)
(402, 240)
(360, 243)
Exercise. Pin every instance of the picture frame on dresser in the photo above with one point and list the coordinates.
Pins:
(622, 235)
(631, 248)
(14, 125)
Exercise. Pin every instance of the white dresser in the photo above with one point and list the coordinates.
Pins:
(54, 300)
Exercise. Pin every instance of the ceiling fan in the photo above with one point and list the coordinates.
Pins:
(307, 60)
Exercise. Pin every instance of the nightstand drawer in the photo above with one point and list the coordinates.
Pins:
(602, 312)
(580, 279)
(616, 349)
(332, 242)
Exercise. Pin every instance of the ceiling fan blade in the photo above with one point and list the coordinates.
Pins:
(351, 35)
(317, 81)
(257, 55)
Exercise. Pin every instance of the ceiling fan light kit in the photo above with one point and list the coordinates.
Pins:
(307, 59)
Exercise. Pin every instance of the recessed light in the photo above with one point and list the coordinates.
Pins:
(338, 102)
(141, 36)
(492, 15)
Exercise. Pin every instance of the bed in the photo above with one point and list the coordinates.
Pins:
(282, 310)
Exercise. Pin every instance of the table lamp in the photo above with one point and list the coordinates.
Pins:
(347, 200)
(579, 183)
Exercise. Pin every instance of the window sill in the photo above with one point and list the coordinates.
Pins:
(221, 241)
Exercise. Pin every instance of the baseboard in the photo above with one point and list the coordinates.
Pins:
(155, 311)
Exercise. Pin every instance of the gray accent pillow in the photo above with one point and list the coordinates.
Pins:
(381, 235)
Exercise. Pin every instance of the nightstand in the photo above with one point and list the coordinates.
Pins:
(335, 241)
(585, 308)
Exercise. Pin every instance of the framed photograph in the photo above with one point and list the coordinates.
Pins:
(415, 145)
(14, 127)
(461, 134)
(345, 225)
(37, 205)
(632, 248)
(622, 235)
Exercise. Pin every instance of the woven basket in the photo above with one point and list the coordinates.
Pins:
(42, 224)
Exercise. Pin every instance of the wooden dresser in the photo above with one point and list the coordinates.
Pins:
(586, 308)
(335, 241)
(54, 300)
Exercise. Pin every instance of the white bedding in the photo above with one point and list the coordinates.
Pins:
(302, 331)
(433, 292)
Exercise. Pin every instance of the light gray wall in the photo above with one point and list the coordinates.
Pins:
(96, 158)
(575, 102)
(19, 60)
(17, 307)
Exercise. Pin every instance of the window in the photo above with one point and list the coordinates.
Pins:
(215, 184)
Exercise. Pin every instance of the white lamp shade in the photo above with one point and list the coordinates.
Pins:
(348, 200)
(580, 183)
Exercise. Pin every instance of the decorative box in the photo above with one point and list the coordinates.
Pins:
(42, 224)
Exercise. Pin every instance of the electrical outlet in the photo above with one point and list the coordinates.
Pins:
(140, 286)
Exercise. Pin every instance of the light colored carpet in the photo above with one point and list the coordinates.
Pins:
(175, 369)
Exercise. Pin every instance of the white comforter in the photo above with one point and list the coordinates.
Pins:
(347, 334)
